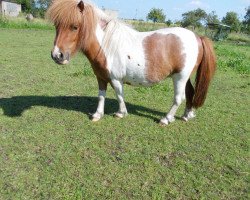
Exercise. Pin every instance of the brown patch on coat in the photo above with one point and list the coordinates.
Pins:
(102, 84)
(129, 57)
(97, 59)
(163, 56)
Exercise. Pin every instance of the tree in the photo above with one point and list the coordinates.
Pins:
(246, 21)
(247, 16)
(212, 18)
(169, 22)
(27, 5)
(42, 6)
(232, 19)
(156, 15)
(194, 18)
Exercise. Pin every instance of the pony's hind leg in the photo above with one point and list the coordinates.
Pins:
(189, 111)
(179, 95)
(101, 100)
(118, 87)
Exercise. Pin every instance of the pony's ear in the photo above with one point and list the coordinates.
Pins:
(81, 6)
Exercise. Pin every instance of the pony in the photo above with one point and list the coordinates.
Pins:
(121, 55)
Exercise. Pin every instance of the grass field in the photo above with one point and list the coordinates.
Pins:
(49, 149)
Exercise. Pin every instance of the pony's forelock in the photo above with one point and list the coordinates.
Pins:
(64, 13)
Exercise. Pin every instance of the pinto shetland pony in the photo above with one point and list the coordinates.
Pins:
(121, 55)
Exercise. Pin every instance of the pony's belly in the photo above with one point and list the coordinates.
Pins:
(135, 82)
(136, 78)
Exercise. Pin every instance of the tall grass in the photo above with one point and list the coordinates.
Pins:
(237, 37)
(22, 23)
(145, 26)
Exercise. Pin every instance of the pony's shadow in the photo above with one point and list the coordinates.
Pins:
(15, 106)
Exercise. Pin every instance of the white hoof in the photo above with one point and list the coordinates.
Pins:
(121, 115)
(188, 115)
(166, 121)
(97, 116)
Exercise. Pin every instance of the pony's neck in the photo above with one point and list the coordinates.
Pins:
(109, 35)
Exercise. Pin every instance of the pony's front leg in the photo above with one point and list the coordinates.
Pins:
(101, 100)
(118, 87)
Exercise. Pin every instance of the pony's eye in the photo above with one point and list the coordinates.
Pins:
(74, 28)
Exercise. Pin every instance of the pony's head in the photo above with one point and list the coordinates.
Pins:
(75, 25)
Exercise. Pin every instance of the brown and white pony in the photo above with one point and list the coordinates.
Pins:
(119, 54)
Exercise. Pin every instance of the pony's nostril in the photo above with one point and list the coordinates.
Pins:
(61, 56)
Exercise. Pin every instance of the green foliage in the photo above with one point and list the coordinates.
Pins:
(156, 15)
(41, 9)
(194, 18)
(212, 18)
(247, 16)
(246, 22)
(232, 19)
(27, 5)
(36, 7)
(169, 22)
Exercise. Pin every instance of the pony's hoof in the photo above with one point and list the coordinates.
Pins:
(166, 121)
(96, 117)
(185, 119)
(188, 116)
(120, 115)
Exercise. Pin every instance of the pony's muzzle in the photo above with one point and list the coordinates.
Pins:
(60, 57)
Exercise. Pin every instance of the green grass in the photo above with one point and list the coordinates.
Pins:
(22, 23)
(49, 149)
(146, 26)
(234, 57)
(240, 38)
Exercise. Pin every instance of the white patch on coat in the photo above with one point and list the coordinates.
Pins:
(125, 53)
(56, 52)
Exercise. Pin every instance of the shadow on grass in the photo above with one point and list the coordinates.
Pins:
(15, 106)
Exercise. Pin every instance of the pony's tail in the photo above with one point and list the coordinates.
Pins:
(205, 73)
